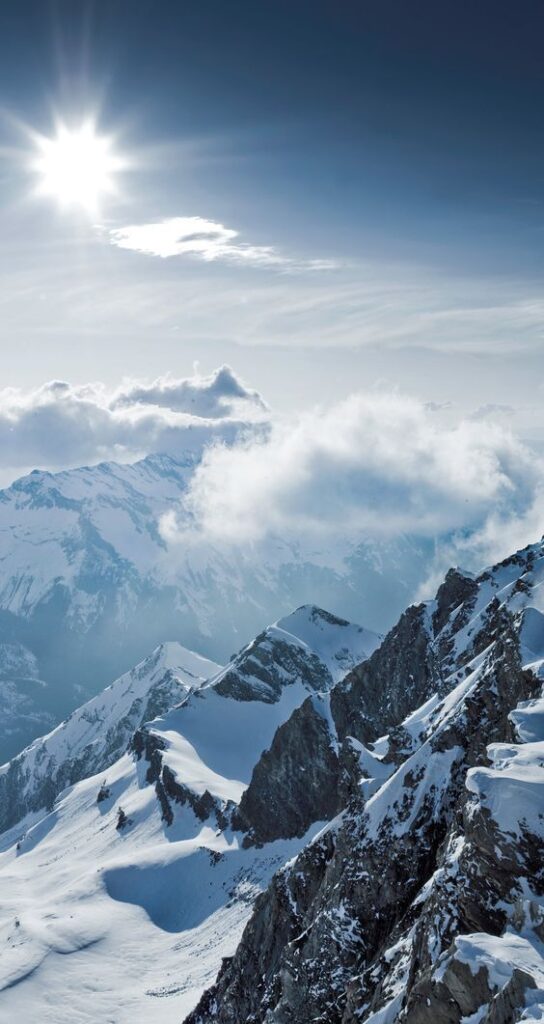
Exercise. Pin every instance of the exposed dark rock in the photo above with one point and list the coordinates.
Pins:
(294, 783)
(260, 672)
(456, 590)
(123, 821)
(364, 913)
(311, 769)
(395, 680)
(104, 793)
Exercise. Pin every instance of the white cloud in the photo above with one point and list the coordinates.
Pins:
(374, 466)
(220, 394)
(377, 465)
(59, 424)
(207, 240)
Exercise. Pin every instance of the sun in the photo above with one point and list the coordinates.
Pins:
(77, 167)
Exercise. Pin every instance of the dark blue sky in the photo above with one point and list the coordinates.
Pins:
(407, 128)
(400, 142)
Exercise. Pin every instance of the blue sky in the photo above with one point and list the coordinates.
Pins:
(388, 155)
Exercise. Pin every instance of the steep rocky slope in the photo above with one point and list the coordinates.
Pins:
(318, 754)
(423, 899)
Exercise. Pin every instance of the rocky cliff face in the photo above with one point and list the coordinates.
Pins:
(317, 757)
(423, 899)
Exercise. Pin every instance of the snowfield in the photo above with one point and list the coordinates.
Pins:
(125, 926)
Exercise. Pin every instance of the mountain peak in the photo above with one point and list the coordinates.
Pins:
(310, 646)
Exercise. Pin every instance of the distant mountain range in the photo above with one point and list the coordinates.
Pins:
(88, 585)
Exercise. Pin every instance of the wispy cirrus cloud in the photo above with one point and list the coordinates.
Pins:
(207, 240)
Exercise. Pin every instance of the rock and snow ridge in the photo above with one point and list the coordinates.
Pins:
(422, 901)
(89, 585)
(213, 740)
(98, 733)
(136, 867)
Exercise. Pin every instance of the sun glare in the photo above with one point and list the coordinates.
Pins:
(77, 167)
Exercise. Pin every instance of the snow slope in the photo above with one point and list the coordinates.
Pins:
(98, 924)
(98, 733)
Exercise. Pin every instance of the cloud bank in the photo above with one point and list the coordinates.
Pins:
(60, 425)
(378, 465)
(207, 240)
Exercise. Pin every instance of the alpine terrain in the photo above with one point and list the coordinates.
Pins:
(89, 585)
(422, 900)
(142, 873)
(271, 449)
(334, 827)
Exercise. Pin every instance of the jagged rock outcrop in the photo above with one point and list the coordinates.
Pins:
(458, 589)
(398, 678)
(314, 764)
(296, 781)
(150, 746)
(230, 732)
(424, 903)
(310, 646)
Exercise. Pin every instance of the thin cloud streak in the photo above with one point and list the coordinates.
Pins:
(207, 240)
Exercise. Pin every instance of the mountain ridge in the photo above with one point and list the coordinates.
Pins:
(89, 584)
(155, 822)
(423, 901)
(363, 847)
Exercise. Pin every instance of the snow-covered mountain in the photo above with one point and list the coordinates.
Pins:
(203, 752)
(88, 585)
(422, 901)
(95, 735)
(360, 848)
(135, 877)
